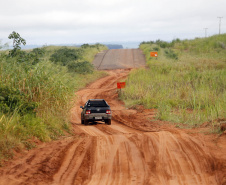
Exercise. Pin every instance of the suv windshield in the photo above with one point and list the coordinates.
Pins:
(97, 103)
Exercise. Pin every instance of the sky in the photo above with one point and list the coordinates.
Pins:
(46, 22)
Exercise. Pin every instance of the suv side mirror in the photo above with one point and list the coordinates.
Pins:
(81, 107)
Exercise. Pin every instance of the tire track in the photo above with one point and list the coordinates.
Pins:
(72, 163)
(131, 151)
(103, 58)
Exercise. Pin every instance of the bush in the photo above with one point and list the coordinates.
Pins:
(36, 55)
(65, 55)
(171, 54)
(156, 49)
(162, 44)
(81, 67)
(147, 42)
(30, 58)
(85, 46)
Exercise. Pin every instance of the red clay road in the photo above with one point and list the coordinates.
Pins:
(135, 150)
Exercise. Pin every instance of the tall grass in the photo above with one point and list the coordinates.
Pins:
(190, 89)
(52, 88)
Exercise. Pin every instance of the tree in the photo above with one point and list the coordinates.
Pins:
(17, 41)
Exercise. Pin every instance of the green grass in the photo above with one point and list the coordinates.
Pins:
(52, 87)
(188, 89)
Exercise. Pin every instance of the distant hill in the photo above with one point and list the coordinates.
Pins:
(114, 46)
(110, 46)
(119, 45)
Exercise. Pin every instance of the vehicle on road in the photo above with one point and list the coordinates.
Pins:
(96, 110)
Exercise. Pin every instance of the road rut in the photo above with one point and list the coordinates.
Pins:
(135, 149)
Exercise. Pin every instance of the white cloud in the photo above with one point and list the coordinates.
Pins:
(75, 21)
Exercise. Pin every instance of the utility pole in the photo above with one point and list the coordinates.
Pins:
(205, 31)
(220, 24)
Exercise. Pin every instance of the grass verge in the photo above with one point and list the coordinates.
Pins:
(36, 98)
(186, 83)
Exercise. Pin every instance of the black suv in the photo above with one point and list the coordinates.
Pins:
(96, 110)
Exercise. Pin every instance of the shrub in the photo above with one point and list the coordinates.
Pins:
(162, 44)
(30, 58)
(65, 55)
(36, 55)
(81, 67)
(171, 54)
(156, 49)
(85, 46)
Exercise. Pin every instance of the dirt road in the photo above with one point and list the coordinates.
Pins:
(135, 149)
(119, 59)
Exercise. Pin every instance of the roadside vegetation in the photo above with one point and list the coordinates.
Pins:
(37, 91)
(186, 83)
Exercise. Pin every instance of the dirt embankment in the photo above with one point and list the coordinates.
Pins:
(135, 149)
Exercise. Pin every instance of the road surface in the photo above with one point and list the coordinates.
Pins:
(119, 59)
(135, 150)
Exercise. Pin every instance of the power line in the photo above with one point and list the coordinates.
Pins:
(205, 31)
(220, 24)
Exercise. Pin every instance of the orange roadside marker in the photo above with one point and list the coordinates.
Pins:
(154, 54)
